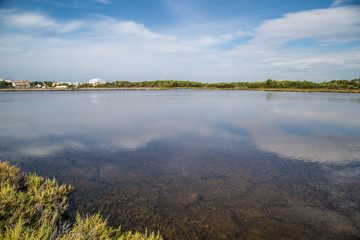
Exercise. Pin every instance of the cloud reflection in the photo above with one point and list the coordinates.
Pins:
(293, 125)
(307, 129)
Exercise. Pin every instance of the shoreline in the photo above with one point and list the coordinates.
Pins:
(69, 89)
(190, 88)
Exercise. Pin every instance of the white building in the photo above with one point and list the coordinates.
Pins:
(96, 81)
(67, 83)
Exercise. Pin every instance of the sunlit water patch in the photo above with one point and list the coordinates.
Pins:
(197, 164)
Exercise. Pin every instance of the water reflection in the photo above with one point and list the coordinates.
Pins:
(197, 164)
(293, 125)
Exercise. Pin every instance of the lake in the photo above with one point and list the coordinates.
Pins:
(196, 164)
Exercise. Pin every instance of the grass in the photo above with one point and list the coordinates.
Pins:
(32, 207)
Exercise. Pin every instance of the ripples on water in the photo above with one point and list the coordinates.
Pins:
(197, 164)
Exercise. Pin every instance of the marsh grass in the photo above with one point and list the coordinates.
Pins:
(32, 207)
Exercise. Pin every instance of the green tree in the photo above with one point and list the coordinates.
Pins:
(4, 84)
(48, 83)
(35, 83)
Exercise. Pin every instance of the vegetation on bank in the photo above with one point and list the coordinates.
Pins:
(36, 83)
(269, 84)
(32, 207)
(334, 85)
(4, 84)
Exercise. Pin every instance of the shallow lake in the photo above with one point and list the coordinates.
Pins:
(196, 164)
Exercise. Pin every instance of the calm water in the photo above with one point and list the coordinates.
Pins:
(197, 164)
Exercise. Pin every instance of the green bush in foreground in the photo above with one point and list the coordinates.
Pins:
(32, 207)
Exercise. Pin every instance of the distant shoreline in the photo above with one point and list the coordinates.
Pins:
(189, 88)
(70, 89)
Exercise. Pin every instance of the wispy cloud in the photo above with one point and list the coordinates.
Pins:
(268, 50)
(338, 3)
(103, 26)
(332, 25)
(102, 1)
(113, 48)
(184, 10)
(28, 21)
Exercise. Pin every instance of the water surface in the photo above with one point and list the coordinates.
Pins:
(197, 164)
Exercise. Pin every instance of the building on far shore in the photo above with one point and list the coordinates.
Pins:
(96, 81)
(21, 84)
(63, 83)
(61, 87)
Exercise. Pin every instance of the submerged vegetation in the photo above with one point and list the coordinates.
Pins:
(32, 207)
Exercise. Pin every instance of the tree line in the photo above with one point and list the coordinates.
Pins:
(334, 84)
(268, 84)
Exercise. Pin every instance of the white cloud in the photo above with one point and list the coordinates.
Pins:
(102, 1)
(27, 22)
(234, 35)
(343, 59)
(41, 47)
(337, 3)
(206, 40)
(268, 53)
(107, 27)
(113, 48)
(332, 25)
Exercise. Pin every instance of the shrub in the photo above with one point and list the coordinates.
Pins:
(32, 207)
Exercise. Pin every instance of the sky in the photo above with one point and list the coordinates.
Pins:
(195, 40)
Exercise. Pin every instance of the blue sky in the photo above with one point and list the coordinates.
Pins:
(198, 40)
